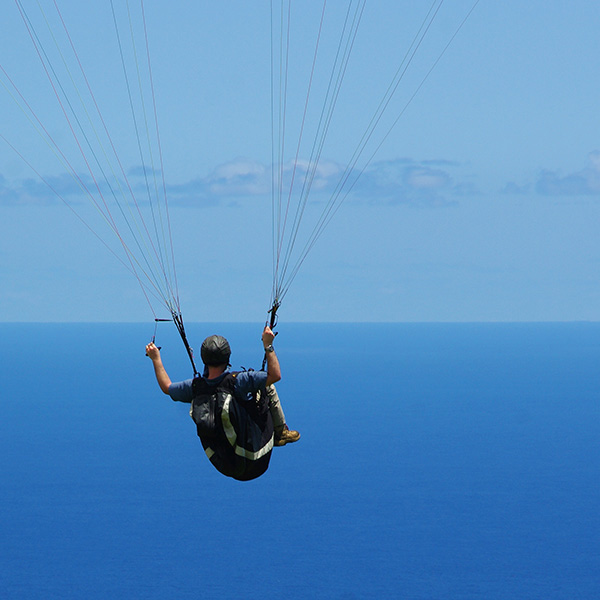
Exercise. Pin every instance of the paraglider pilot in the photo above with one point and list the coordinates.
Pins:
(236, 413)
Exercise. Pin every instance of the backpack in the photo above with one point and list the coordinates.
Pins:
(237, 435)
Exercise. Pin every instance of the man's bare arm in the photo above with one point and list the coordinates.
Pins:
(273, 368)
(162, 377)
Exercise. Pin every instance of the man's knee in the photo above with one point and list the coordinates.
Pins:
(272, 395)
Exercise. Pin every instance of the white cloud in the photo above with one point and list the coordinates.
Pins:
(515, 189)
(7, 195)
(401, 180)
(241, 177)
(426, 183)
(425, 178)
(241, 168)
(580, 183)
(594, 160)
(549, 182)
(144, 171)
(325, 175)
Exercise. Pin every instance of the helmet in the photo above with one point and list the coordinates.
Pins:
(215, 351)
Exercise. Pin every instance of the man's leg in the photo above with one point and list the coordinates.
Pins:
(283, 435)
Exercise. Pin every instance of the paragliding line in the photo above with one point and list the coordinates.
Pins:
(178, 320)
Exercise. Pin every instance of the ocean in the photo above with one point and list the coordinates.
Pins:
(437, 461)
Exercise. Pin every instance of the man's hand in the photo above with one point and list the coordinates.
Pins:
(152, 352)
(267, 336)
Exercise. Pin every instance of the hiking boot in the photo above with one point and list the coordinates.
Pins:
(287, 436)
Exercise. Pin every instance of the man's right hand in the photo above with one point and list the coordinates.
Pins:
(152, 352)
(267, 336)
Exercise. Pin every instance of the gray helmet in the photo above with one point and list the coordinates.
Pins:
(215, 351)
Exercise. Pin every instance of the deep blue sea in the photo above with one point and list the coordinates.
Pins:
(437, 461)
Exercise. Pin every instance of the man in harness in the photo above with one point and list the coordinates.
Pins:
(238, 415)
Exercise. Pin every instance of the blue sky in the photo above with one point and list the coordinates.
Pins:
(483, 203)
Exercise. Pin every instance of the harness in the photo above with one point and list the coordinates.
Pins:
(236, 435)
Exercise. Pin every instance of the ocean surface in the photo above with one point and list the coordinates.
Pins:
(437, 461)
